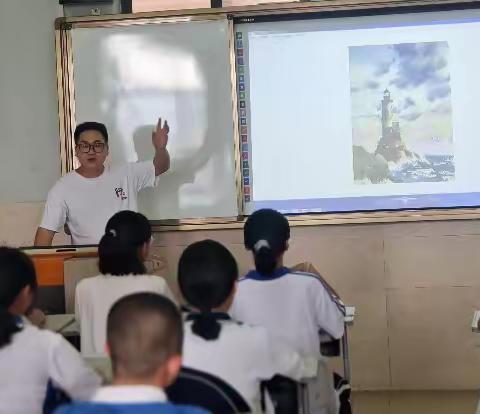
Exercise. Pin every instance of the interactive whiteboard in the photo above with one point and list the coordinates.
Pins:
(128, 76)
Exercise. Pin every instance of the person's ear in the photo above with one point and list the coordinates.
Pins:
(29, 296)
(229, 301)
(287, 245)
(172, 368)
(23, 301)
(145, 250)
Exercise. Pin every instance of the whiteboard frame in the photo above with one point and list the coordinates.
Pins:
(66, 99)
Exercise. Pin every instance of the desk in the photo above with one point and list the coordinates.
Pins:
(49, 265)
(48, 261)
(102, 365)
(68, 326)
(65, 325)
(475, 320)
(349, 319)
(475, 328)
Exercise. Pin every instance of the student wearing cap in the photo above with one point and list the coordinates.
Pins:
(299, 305)
(86, 198)
(144, 337)
(240, 354)
(295, 307)
(33, 362)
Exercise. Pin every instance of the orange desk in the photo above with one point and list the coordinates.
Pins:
(49, 265)
(49, 262)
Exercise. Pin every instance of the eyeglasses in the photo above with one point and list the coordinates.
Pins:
(97, 147)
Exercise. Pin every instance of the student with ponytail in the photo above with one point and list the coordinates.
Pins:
(32, 360)
(239, 354)
(122, 252)
(294, 307)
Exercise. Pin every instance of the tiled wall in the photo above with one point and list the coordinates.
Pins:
(18, 224)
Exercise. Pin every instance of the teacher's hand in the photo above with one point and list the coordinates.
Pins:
(160, 135)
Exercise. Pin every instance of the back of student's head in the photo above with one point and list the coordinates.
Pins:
(120, 249)
(266, 234)
(144, 332)
(16, 274)
(207, 273)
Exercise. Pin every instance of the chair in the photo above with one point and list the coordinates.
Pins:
(204, 390)
(54, 399)
(286, 395)
(303, 397)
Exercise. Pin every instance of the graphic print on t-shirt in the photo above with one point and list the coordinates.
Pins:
(120, 193)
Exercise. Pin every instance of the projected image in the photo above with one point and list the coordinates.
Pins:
(401, 113)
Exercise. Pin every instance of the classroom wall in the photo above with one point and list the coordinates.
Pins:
(29, 142)
(415, 286)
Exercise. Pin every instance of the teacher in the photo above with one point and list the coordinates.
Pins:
(86, 198)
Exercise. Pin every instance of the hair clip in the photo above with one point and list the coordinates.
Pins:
(261, 243)
(113, 232)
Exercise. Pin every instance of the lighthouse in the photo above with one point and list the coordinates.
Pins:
(390, 144)
(387, 114)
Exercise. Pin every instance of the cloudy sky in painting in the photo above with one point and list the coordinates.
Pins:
(418, 78)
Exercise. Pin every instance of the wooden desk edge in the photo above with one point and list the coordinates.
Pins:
(349, 315)
(476, 318)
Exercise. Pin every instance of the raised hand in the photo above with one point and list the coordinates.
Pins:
(160, 135)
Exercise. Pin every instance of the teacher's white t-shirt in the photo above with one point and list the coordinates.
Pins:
(86, 204)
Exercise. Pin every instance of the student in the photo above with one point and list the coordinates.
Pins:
(122, 252)
(32, 360)
(144, 337)
(299, 305)
(239, 354)
(293, 306)
(86, 198)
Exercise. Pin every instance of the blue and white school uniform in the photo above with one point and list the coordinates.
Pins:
(243, 356)
(129, 399)
(292, 306)
(33, 359)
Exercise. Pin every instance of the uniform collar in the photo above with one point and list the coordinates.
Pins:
(129, 394)
(278, 273)
(219, 316)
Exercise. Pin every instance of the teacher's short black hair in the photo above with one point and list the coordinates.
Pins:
(90, 126)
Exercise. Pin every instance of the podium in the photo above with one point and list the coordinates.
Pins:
(50, 265)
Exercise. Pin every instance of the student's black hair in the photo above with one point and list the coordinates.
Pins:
(207, 273)
(16, 272)
(266, 234)
(90, 126)
(143, 330)
(119, 249)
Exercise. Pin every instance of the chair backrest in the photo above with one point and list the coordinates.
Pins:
(283, 393)
(193, 387)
